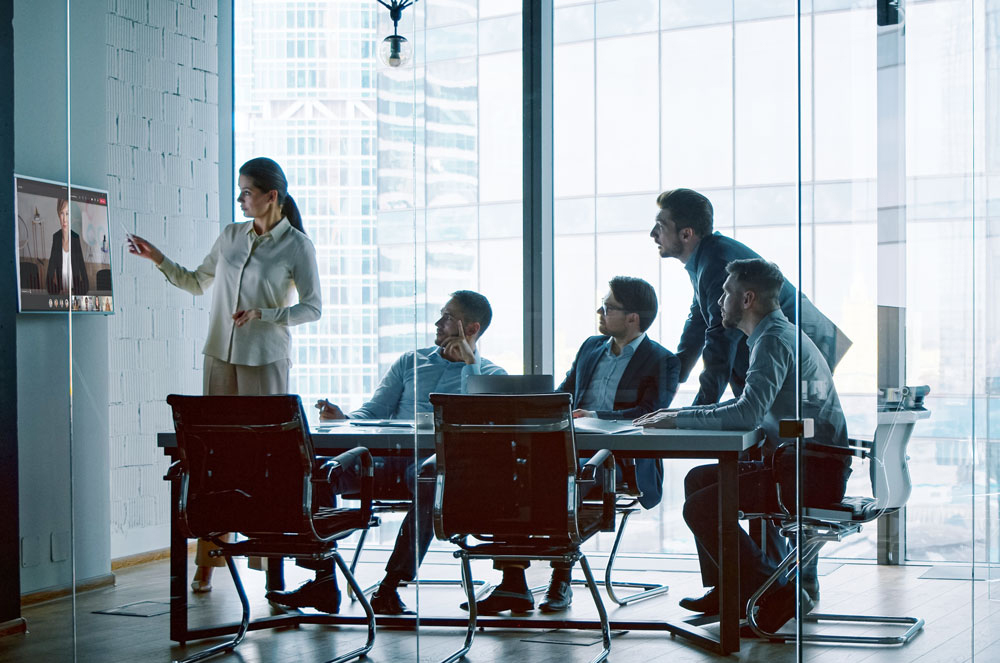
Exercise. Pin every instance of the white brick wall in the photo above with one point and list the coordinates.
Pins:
(162, 131)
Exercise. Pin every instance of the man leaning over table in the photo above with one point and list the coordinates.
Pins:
(619, 374)
(750, 303)
(684, 230)
(442, 368)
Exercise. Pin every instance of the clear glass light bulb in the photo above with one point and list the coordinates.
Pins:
(395, 51)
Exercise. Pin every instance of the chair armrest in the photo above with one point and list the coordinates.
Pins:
(811, 445)
(588, 475)
(174, 472)
(861, 448)
(589, 469)
(327, 467)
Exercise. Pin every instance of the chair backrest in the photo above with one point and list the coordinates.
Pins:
(246, 464)
(510, 384)
(888, 470)
(103, 280)
(29, 276)
(506, 467)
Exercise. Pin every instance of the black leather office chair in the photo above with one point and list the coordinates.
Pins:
(833, 522)
(396, 497)
(507, 476)
(246, 464)
(628, 492)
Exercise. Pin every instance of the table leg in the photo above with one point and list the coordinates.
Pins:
(275, 573)
(178, 569)
(729, 555)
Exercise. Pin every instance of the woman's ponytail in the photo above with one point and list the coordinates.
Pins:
(291, 211)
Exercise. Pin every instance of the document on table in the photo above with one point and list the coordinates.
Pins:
(382, 423)
(327, 426)
(607, 426)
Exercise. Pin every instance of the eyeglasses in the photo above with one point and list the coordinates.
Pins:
(604, 308)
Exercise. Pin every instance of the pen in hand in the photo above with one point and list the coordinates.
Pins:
(328, 410)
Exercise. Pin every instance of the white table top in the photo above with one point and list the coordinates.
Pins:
(648, 442)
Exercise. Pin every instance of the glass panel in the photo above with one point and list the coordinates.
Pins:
(40, 462)
(985, 211)
(467, 254)
(409, 180)
(898, 199)
(939, 134)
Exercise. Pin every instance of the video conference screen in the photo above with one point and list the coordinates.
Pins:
(64, 248)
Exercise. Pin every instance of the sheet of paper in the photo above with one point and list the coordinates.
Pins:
(387, 423)
(594, 425)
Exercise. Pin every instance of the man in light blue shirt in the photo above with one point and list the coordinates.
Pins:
(750, 303)
(443, 368)
(404, 390)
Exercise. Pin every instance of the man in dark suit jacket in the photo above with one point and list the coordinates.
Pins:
(683, 230)
(648, 383)
(620, 374)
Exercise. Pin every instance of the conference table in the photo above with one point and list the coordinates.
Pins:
(330, 439)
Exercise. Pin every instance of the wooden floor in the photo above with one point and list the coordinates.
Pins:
(959, 627)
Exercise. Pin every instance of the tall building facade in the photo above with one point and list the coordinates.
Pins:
(305, 96)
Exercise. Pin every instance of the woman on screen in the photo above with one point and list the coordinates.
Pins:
(66, 258)
(255, 266)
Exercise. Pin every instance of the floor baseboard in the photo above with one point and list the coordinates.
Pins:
(13, 627)
(145, 557)
(97, 582)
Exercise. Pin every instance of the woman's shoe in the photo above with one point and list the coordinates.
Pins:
(201, 586)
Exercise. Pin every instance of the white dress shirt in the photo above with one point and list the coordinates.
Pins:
(254, 271)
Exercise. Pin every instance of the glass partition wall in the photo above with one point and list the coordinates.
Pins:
(43, 149)
(850, 143)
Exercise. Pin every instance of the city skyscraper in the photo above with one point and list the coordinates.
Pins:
(305, 96)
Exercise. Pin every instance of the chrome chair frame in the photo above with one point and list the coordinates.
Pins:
(390, 505)
(891, 488)
(628, 498)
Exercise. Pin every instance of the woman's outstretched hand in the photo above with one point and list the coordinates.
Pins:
(140, 247)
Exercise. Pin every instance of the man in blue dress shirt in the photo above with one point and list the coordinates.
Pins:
(683, 231)
(443, 368)
(750, 305)
(619, 374)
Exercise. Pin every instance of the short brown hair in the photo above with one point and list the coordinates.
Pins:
(635, 296)
(475, 307)
(759, 275)
(688, 209)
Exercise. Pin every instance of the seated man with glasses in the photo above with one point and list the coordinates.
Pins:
(404, 391)
(620, 374)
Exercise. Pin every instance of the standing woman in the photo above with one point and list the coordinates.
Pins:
(256, 264)
(66, 258)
